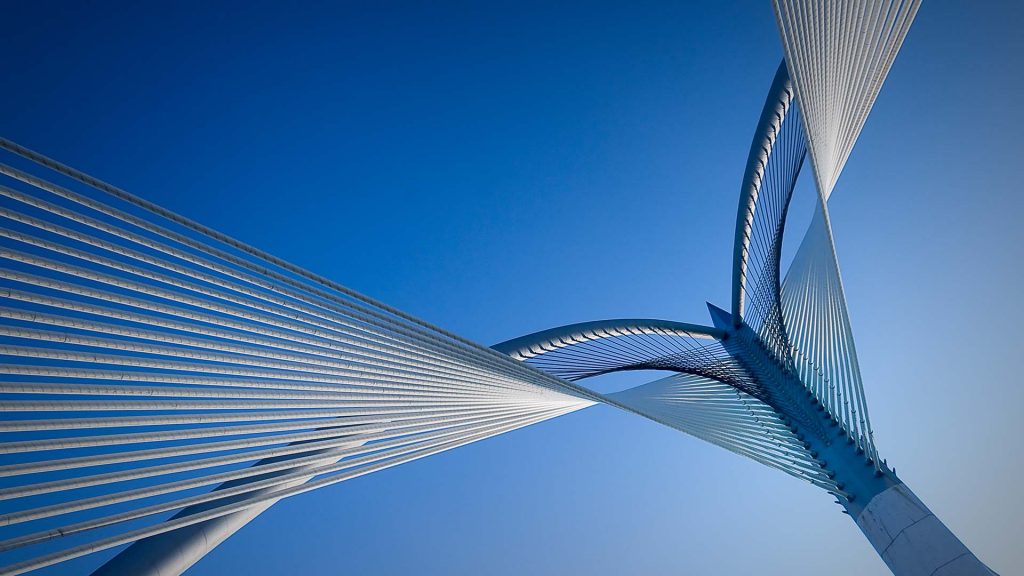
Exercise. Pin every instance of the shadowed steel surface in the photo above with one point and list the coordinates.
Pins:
(163, 383)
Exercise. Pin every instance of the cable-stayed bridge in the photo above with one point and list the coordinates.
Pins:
(163, 384)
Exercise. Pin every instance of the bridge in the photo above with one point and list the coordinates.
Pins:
(163, 383)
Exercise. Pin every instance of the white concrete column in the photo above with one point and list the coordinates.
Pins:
(171, 553)
(912, 541)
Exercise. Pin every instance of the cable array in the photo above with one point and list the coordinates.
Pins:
(728, 417)
(713, 396)
(821, 337)
(803, 324)
(839, 53)
(150, 362)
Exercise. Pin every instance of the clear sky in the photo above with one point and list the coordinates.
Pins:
(499, 170)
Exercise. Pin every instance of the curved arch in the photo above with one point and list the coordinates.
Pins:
(725, 416)
(577, 351)
(773, 165)
(531, 345)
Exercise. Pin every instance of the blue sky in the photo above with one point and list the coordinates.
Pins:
(499, 170)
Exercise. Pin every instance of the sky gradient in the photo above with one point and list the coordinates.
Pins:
(497, 171)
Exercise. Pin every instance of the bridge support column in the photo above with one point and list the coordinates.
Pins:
(912, 540)
(171, 553)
